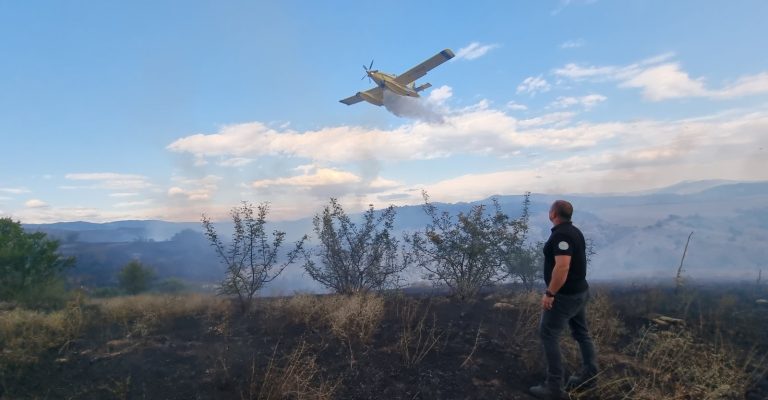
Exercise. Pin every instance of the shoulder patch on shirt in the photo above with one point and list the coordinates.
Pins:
(562, 246)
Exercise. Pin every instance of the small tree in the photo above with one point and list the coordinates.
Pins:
(251, 260)
(28, 262)
(528, 265)
(355, 259)
(522, 261)
(461, 253)
(135, 277)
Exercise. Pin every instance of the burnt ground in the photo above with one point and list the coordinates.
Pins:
(484, 351)
(190, 359)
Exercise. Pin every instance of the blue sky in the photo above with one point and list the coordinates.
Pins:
(165, 110)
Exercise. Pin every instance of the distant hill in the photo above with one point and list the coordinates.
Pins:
(636, 235)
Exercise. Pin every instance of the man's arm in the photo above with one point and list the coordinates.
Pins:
(559, 273)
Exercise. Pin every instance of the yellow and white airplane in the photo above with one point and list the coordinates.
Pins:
(403, 85)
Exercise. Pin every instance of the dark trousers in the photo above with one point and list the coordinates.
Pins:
(568, 309)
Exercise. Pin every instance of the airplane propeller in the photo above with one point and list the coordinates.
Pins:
(367, 69)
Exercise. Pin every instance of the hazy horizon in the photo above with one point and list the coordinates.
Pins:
(134, 112)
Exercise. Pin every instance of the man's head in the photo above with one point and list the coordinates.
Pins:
(561, 211)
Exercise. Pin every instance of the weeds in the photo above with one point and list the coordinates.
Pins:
(298, 378)
(354, 319)
(418, 337)
(674, 364)
(474, 347)
(144, 314)
(26, 334)
(683, 361)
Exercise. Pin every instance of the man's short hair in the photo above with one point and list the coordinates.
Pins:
(563, 209)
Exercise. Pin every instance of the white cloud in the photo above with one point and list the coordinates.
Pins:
(572, 44)
(318, 177)
(128, 204)
(477, 129)
(744, 86)
(516, 106)
(660, 80)
(381, 183)
(440, 95)
(666, 81)
(35, 203)
(609, 72)
(533, 85)
(14, 190)
(110, 181)
(588, 101)
(647, 154)
(557, 119)
(578, 72)
(235, 162)
(474, 50)
(123, 194)
(554, 152)
(194, 189)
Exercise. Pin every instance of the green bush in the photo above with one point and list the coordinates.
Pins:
(49, 295)
(31, 268)
(135, 277)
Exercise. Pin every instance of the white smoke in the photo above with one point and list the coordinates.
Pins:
(413, 107)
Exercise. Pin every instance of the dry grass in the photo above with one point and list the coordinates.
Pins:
(605, 326)
(354, 318)
(675, 365)
(419, 334)
(144, 314)
(303, 309)
(351, 318)
(26, 334)
(298, 378)
(523, 338)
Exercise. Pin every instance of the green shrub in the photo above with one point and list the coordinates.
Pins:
(135, 278)
(30, 266)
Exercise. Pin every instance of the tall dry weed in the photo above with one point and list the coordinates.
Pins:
(356, 317)
(305, 309)
(297, 378)
(419, 333)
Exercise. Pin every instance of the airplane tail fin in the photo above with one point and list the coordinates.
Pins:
(422, 87)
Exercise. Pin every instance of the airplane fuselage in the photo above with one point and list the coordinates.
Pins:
(402, 85)
(387, 81)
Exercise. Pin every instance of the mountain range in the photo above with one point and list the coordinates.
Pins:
(637, 236)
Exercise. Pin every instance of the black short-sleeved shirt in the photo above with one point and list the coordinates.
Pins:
(567, 240)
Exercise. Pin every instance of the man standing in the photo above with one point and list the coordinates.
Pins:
(565, 300)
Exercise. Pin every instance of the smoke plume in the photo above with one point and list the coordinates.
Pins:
(412, 107)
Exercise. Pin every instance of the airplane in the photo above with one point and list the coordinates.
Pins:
(403, 85)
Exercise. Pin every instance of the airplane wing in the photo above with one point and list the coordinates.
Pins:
(374, 96)
(352, 100)
(422, 69)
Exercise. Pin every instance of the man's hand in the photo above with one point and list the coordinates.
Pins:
(546, 302)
